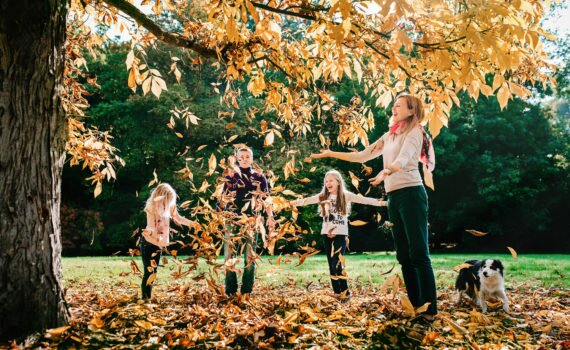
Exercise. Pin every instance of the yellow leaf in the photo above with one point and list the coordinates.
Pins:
(407, 306)
(252, 11)
(98, 189)
(513, 252)
(503, 96)
(155, 88)
(201, 148)
(430, 338)
(151, 278)
(144, 324)
(212, 163)
(57, 331)
(345, 332)
(423, 308)
(269, 139)
(457, 329)
(358, 223)
(477, 233)
(97, 322)
(305, 180)
(179, 135)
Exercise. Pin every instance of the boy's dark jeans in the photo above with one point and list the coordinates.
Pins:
(233, 246)
(408, 211)
(336, 245)
(149, 252)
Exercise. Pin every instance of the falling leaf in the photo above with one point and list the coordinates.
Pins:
(477, 233)
(358, 223)
(151, 279)
(269, 138)
(513, 252)
(212, 163)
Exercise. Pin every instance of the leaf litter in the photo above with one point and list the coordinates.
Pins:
(195, 313)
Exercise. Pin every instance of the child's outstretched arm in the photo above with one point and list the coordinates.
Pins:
(360, 199)
(305, 201)
(179, 219)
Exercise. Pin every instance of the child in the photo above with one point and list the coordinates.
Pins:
(160, 208)
(242, 186)
(334, 206)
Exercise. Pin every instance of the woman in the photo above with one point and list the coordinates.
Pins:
(402, 147)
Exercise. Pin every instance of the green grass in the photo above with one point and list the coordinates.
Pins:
(531, 270)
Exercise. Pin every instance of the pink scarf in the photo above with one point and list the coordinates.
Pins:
(427, 155)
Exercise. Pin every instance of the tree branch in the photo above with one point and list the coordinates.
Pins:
(161, 34)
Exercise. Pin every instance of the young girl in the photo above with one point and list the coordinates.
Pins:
(402, 148)
(334, 206)
(160, 208)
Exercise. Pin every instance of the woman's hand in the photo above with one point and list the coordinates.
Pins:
(324, 154)
(377, 180)
(331, 235)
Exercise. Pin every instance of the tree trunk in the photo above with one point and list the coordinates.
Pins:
(32, 138)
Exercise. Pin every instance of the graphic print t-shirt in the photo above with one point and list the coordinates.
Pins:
(333, 221)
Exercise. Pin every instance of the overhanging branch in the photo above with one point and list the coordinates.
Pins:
(161, 34)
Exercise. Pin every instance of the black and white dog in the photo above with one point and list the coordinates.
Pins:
(482, 280)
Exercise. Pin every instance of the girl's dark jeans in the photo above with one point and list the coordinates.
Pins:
(150, 254)
(336, 245)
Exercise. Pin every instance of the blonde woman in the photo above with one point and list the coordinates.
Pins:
(402, 148)
(160, 208)
(334, 206)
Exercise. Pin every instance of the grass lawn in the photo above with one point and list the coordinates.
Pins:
(532, 270)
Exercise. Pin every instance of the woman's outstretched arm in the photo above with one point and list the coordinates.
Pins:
(370, 152)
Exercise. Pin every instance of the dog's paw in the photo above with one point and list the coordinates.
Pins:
(506, 308)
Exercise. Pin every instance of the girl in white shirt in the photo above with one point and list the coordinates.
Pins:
(160, 208)
(334, 206)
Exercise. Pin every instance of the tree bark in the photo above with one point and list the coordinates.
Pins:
(32, 139)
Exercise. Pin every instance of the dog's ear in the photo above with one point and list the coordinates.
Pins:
(497, 264)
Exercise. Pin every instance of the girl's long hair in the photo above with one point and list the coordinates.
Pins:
(341, 206)
(162, 201)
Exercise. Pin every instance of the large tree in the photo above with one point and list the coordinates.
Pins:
(286, 51)
(32, 55)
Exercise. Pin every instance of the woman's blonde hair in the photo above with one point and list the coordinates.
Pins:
(341, 206)
(162, 200)
(416, 107)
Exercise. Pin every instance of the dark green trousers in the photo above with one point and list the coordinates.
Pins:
(235, 244)
(408, 211)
